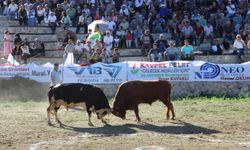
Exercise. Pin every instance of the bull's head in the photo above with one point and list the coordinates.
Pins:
(118, 113)
(102, 112)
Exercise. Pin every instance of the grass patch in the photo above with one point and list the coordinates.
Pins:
(227, 119)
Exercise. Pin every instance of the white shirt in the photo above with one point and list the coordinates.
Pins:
(108, 40)
(231, 9)
(79, 48)
(52, 18)
(138, 3)
(208, 30)
(239, 44)
(40, 12)
(111, 25)
(88, 48)
(25, 50)
(125, 11)
(13, 7)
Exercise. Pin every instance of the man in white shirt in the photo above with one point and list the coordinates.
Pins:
(52, 22)
(108, 42)
(78, 51)
(208, 30)
(124, 10)
(239, 45)
(111, 25)
(12, 10)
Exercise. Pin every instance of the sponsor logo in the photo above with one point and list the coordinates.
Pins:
(208, 71)
(112, 70)
(134, 70)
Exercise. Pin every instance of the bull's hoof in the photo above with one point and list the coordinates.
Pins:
(91, 124)
(172, 118)
(49, 124)
(138, 121)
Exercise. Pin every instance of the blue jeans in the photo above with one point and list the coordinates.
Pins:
(240, 52)
(156, 57)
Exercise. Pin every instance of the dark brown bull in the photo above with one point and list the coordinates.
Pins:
(132, 93)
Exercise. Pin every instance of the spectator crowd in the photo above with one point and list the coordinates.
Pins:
(197, 26)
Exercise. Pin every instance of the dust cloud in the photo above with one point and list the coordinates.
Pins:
(21, 89)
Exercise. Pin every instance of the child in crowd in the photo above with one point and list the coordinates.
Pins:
(115, 55)
(128, 38)
(116, 41)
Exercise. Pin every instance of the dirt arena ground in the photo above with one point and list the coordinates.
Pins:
(200, 123)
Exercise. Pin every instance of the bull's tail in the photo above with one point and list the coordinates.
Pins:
(51, 105)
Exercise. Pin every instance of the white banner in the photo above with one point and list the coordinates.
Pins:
(168, 70)
(220, 72)
(188, 71)
(40, 73)
(98, 73)
(117, 73)
(13, 71)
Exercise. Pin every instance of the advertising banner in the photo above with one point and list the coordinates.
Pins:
(117, 73)
(168, 70)
(98, 73)
(40, 73)
(13, 71)
(220, 72)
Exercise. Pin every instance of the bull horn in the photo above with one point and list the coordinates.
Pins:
(111, 109)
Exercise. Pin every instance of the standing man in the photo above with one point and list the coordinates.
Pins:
(108, 42)
(146, 40)
(55, 75)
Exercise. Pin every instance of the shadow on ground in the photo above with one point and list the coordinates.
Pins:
(177, 127)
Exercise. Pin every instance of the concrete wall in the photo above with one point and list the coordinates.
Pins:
(182, 89)
(19, 89)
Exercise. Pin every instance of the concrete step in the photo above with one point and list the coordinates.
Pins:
(35, 30)
(6, 23)
(219, 59)
(134, 59)
(3, 18)
(123, 53)
(46, 37)
(43, 60)
(47, 30)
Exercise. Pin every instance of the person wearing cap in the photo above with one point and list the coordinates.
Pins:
(108, 42)
(239, 46)
(38, 48)
(78, 51)
(155, 54)
(171, 53)
(162, 43)
(58, 12)
(55, 75)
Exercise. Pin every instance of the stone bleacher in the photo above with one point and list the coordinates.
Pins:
(53, 55)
